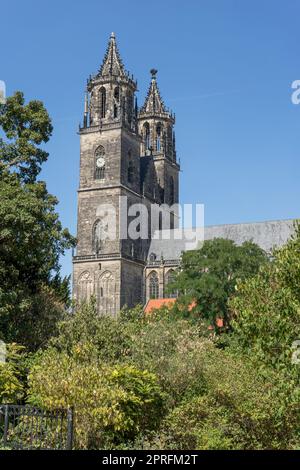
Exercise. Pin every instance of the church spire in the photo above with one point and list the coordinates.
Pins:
(112, 64)
(153, 103)
(111, 92)
(156, 124)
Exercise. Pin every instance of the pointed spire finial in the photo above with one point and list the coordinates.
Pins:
(153, 73)
(153, 102)
(112, 63)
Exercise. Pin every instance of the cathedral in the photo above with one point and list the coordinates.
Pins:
(129, 153)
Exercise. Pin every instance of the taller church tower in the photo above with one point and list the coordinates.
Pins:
(118, 161)
(110, 269)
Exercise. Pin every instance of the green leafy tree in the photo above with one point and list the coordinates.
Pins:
(266, 311)
(32, 238)
(25, 128)
(208, 276)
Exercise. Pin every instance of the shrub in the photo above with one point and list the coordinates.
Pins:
(236, 409)
(11, 386)
(112, 403)
(266, 311)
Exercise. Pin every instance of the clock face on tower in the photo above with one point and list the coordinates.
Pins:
(100, 162)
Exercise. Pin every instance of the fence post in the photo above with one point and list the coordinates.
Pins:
(5, 432)
(70, 428)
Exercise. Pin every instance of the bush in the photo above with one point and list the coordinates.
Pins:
(237, 409)
(266, 311)
(11, 386)
(112, 403)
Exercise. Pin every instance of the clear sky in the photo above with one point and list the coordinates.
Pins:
(225, 67)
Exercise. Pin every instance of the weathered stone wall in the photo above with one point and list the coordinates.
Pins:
(88, 275)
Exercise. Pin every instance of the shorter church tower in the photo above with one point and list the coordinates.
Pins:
(156, 126)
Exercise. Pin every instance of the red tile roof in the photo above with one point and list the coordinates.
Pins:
(154, 304)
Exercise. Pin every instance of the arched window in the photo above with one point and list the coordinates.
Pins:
(115, 111)
(170, 141)
(106, 293)
(169, 278)
(129, 107)
(146, 133)
(130, 169)
(160, 221)
(153, 285)
(117, 94)
(98, 236)
(100, 163)
(171, 190)
(85, 287)
(102, 102)
(152, 257)
(158, 137)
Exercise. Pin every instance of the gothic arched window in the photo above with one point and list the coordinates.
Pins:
(129, 107)
(115, 111)
(98, 231)
(171, 190)
(85, 286)
(102, 102)
(130, 169)
(106, 293)
(170, 140)
(153, 285)
(169, 278)
(158, 137)
(100, 163)
(160, 221)
(117, 94)
(146, 133)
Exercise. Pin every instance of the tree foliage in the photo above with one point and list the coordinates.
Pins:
(206, 397)
(112, 403)
(32, 238)
(208, 276)
(11, 375)
(25, 128)
(266, 310)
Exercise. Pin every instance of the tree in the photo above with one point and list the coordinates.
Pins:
(208, 276)
(32, 238)
(266, 311)
(25, 128)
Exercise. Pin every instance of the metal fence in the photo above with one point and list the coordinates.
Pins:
(27, 427)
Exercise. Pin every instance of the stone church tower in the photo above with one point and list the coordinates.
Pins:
(124, 152)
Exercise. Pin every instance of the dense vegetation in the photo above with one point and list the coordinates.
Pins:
(32, 293)
(169, 380)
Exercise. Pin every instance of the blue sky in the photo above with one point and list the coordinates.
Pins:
(225, 67)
